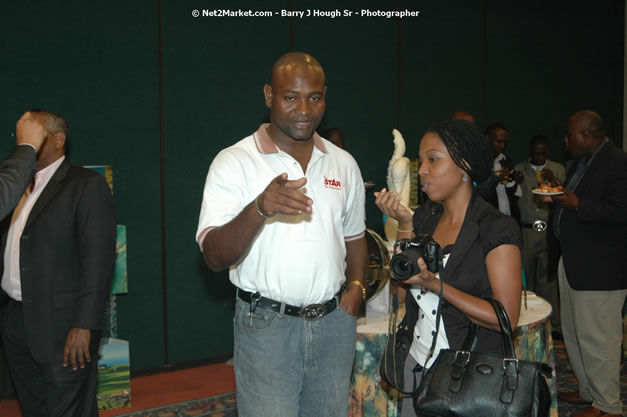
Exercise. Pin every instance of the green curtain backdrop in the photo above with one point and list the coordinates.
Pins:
(162, 108)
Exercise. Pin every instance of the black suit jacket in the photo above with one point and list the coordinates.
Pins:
(593, 239)
(67, 255)
(492, 198)
(484, 228)
(16, 172)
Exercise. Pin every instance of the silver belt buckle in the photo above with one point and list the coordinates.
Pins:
(313, 312)
(539, 225)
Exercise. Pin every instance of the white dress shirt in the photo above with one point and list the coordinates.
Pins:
(500, 188)
(11, 283)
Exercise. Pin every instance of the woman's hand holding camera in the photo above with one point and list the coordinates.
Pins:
(425, 278)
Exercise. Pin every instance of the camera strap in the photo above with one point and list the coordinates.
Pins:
(438, 319)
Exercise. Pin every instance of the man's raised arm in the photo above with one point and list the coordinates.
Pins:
(223, 246)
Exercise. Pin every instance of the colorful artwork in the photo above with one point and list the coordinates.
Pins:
(114, 376)
(120, 274)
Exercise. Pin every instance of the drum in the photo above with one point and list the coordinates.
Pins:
(377, 266)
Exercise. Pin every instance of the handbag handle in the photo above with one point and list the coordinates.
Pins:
(506, 331)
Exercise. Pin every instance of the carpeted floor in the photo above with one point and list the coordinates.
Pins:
(150, 392)
(194, 383)
(218, 406)
(225, 405)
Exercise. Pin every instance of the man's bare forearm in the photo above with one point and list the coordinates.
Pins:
(356, 258)
(225, 245)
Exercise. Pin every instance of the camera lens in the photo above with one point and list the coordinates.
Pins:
(405, 264)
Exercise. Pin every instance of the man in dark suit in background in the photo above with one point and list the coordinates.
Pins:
(17, 171)
(59, 254)
(508, 189)
(591, 224)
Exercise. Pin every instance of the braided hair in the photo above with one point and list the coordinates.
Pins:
(469, 151)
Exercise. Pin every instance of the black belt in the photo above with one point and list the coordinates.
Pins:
(538, 225)
(310, 312)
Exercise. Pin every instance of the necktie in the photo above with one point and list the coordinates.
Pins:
(20, 204)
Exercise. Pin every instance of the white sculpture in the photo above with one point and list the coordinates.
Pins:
(398, 181)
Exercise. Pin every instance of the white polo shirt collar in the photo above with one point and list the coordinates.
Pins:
(266, 145)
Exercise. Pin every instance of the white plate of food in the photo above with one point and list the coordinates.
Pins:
(547, 191)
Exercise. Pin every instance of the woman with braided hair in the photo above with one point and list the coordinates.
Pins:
(480, 246)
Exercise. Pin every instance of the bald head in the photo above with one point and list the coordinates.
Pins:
(585, 133)
(56, 142)
(462, 115)
(296, 99)
(293, 63)
(589, 123)
(53, 121)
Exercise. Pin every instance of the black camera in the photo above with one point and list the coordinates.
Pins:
(405, 264)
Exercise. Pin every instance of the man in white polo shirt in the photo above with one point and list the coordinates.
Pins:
(284, 210)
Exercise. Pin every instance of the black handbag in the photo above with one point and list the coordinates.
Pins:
(470, 383)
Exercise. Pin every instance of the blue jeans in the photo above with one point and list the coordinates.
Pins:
(289, 367)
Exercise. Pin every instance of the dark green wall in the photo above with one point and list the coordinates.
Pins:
(96, 63)
(214, 70)
(526, 65)
(442, 66)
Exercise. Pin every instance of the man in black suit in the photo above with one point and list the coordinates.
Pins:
(59, 254)
(17, 171)
(505, 197)
(591, 223)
